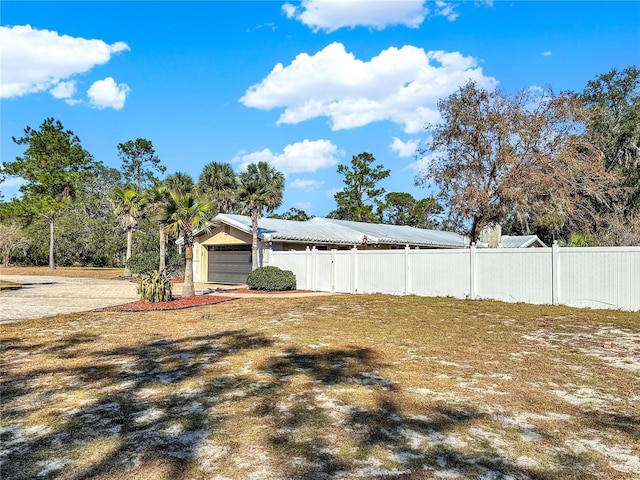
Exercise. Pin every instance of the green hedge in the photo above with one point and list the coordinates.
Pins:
(271, 279)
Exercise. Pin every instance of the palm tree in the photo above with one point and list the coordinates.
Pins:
(186, 211)
(177, 182)
(156, 200)
(219, 182)
(129, 207)
(260, 187)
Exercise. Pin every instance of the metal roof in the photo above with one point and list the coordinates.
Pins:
(520, 241)
(329, 231)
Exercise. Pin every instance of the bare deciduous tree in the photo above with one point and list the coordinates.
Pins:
(525, 157)
(12, 239)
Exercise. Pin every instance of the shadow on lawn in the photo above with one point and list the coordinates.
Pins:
(120, 408)
(119, 422)
(302, 433)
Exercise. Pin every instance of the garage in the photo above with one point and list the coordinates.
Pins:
(229, 264)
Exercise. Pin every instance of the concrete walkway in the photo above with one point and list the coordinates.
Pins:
(42, 296)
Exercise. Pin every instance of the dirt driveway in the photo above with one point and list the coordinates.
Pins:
(43, 296)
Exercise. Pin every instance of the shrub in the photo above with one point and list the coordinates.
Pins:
(271, 279)
(175, 264)
(154, 287)
(143, 263)
(148, 262)
(580, 240)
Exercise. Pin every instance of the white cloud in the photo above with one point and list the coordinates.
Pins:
(421, 165)
(548, 53)
(330, 193)
(405, 149)
(302, 205)
(305, 184)
(305, 156)
(330, 15)
(64, 89)
(33, 60)
(107, 94)
(402, 85)
(447, 10)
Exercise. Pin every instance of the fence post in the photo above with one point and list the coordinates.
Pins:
(407, 272)
(354, 269)
(472, 271)
(555, 273)
(307, 268)
(314, 267)
(332, 286)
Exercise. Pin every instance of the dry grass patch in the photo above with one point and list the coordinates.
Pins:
(6, 285)
(73, 272)
(324, 387)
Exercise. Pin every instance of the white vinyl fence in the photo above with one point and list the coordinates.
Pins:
(600, 277)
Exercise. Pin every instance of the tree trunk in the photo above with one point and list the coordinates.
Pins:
(188, 290)
(127, 272)
(52, 242)
(5, 259)
(254, 242)
(163, 249)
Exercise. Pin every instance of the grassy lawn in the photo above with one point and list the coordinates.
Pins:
(367, 386)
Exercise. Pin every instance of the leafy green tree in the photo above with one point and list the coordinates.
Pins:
(356, 201)
(613, 103)
(260, 187)
(522, 156)
(397, 209)
(293, 214)
(128, 206)
(613, 100)
(219, 182)
(185, 213)
(401, 208)
(88, 229)
(139, 162)
(54, 166)
(426, 213)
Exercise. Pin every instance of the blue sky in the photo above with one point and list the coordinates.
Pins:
(303, 85)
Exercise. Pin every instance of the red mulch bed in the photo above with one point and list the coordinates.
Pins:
(246, 290)
(175, 304)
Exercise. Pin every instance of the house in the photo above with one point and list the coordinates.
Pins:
(222, 252)
(520, 241)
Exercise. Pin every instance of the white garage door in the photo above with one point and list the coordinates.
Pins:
(231, 265)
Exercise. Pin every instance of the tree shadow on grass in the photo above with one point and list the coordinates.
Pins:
(152, 409)
(118, 419)
(317, 438)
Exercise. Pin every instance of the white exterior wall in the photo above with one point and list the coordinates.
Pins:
(580, 277)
